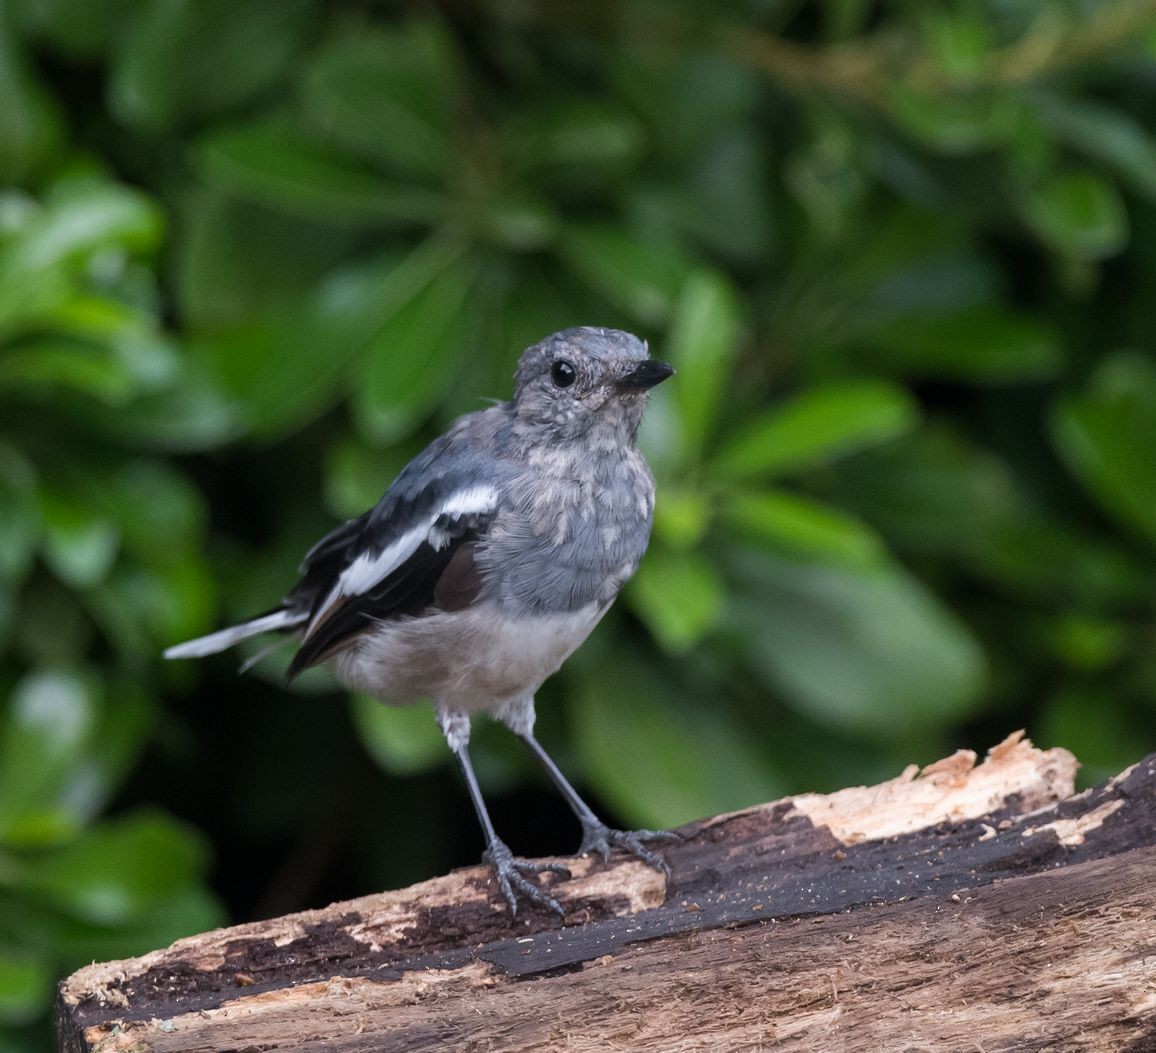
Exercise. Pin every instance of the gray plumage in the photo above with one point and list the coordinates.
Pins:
(489, 560)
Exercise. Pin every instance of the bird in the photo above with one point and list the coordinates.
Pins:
(488, 561)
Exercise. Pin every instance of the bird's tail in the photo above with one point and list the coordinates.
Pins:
(275, 621)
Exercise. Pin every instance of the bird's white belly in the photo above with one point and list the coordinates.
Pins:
(470, 660)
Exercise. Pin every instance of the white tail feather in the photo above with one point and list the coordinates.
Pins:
(225, 638)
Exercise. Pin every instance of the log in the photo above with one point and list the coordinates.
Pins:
(984, 907)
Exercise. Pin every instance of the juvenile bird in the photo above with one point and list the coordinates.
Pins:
(489, 560)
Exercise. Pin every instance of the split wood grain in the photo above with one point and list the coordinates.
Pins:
(979, 907)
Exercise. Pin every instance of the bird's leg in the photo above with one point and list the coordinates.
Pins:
(596, 835)
(511, 870)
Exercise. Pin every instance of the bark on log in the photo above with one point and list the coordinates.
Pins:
(964, 907)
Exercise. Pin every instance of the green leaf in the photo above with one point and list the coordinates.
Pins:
(79, 546)
(796, 525)
(659, 759)
(120, 870)
(275, 371)
(410, 363)
(1088, 643)
(20, 515)
(825, 173)
(55, 630)
(1079, 214)
(47, 725)
(7, 607)
(956, 123)
(908, 260)
(959, 42)
(35, 920)
(985, 345)
(66, 744)
(1107, 437)
(139, 608)
(933, 492)
(682, 516)
(132, 336)
(1104, 133)
(55, 364)
(817, 426)
(128, 714)
(389, 97)
(240, 262)
(686, 96)
(1089, 721)
(403, 741)
(158, 513)
(194, 414)
(862, 649)
(843, 19)
(186, 911)
(84, 29)
(1032, 555)
(701, 344)
(726, 203)
(574, 144)
(154, 510)
(644, 280)
(272, 164)
(183, 60)
(519, 222)
(82, 216)
(678, 595)
(26, 985)
(355, 474)
(31, 128)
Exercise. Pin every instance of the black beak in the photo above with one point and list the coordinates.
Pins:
(646, 375)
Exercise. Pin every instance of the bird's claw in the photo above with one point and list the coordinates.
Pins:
(511, 873)
(597, 837)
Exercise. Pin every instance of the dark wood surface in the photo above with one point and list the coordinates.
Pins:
(970, 907)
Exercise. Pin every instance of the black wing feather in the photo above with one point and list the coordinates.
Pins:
(409, 591)
(323, 564)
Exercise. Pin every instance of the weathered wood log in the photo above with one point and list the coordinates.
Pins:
(965, 907)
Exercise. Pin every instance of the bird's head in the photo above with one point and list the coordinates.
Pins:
(585, 382)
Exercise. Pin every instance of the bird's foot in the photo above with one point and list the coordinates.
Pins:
(597, 837)
(511, 872)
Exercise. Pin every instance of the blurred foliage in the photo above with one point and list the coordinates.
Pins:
(254, 255)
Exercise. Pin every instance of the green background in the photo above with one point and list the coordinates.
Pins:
(254, 255)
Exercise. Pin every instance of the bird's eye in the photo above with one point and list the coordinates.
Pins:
(562, 373)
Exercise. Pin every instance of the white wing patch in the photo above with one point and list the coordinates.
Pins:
(371, 568)
(477, 500)
(368, 569)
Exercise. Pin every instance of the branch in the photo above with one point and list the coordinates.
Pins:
(961, 907)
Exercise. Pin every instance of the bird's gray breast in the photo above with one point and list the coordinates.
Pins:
(572, 530)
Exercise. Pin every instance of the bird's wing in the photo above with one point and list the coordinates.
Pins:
(392, 561)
